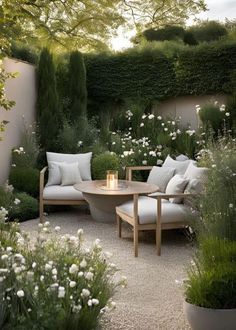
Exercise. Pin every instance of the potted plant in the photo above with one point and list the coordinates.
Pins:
(210, 289)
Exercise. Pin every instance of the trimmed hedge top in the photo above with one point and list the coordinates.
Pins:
(200, 70)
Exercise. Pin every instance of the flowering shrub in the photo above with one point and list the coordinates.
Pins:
(151, 139)
(54, 283)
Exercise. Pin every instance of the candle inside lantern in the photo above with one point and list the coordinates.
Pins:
(112, 180)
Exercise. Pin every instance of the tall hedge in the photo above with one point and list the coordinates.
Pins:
(154, 75)
(47, 102)
(130, 75)
(77, 91)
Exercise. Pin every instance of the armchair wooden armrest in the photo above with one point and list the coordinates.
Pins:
(130, 169)
(167, 196)
(41, 182)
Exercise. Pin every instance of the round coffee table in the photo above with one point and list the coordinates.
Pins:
(102, 202)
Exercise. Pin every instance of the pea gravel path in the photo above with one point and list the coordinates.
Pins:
(152, 299)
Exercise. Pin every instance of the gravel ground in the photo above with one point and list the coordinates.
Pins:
(152, 299)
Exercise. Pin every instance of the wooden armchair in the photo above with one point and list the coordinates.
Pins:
(147, 213)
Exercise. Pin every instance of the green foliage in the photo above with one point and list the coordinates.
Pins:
(211, 279)
(189, 39)
(28, 208)
(102, 163)
(77, 91)
(212, 117)
(167, 33)
(25, 179)
(27, 154)
(156, 73)
(57, 299)
(212, 282)
(24, 52)
(71, 139)
(47, 103)
(217, 205)
(208, 31)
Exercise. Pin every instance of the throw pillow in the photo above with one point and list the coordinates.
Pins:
(194, 172)
(176, 185)
(160, 176)
(54, 174)
(70, 174)
(195, 186)
(180, 166)
(84, 161)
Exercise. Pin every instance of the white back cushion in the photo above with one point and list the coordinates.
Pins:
(70, 174)
(176, 185)
(160, 176)
(54, 173)
(84, 161)
(194, 172)
(180, 166)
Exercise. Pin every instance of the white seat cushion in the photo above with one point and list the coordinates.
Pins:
(62, 193)
(147, 211)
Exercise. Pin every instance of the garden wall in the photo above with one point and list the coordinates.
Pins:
(184, 107)
(23, 91)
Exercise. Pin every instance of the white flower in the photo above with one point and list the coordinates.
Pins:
(231, 205)
(80, 232)
(21, 149)
(9, 249)
(3, 214)
(144, 162)
(47, 224)
(159, 118)
(159, 162)
(213, 166)
(57, 228)
(95, 301)
(72, 284)
(165, 129)
(144, 116)
(48, 267)
(54, 271)
(90, 303)
(89, 276)
(80, 274)
(4, 257)
(61, 292)
(83, 263)
(20, 293)
(76, 308)
(85, 293)
(142, 124)
(151, 116)
(41, 278)
(73, 269)
(190, 132)
(17, 201)
(222, 108)
(113, 143)
(227, 114)
(79, 143)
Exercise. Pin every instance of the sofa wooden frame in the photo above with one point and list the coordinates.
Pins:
(43, 201)
(134, 220)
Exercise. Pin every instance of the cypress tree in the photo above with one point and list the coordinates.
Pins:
(47, 103)
(77, 88)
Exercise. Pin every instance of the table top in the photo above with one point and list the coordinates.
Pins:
(131, 188)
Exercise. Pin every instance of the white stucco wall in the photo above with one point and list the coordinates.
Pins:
(185, 107)
(23, 91)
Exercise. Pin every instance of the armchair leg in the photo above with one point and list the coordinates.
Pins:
(41, 219)
(119, 225)
(135, 242)
(158, 240)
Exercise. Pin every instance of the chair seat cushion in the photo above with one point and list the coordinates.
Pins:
(147, 211)
(62, 193)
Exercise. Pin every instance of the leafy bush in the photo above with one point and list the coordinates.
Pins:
(27, 208)
(24, 53)
(212, 116)
(208, 31)
(25, 179)
(61, 285)
(103, 163)
(170, 32)
(27, 154)
(211, 279)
